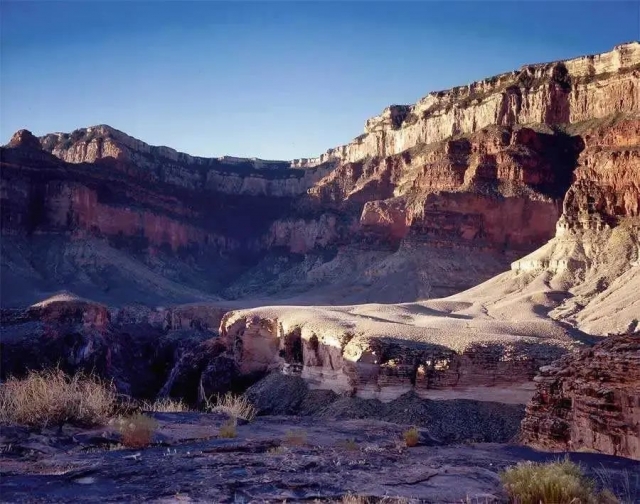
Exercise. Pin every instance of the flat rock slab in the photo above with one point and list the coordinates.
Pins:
(272, 459)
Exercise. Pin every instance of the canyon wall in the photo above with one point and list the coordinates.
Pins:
(554, 93)
(226, 174)
(488, 343)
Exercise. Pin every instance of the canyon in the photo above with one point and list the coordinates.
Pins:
(453, 250)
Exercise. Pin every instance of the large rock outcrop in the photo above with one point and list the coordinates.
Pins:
(568, 91)
(486, 342)
(146, 352)
(589, 401)
(226, 174)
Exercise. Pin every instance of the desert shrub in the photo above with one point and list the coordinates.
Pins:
(359, 499)
(137, 430)
(552, 482)
(628, 487)
(166, 405)
(51, 397)
(295, 438)
(354, 499)
(228, 429)
(349, 445)
(234, 406)
(411, 437)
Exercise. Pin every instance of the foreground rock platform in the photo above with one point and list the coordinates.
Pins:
(273, 459)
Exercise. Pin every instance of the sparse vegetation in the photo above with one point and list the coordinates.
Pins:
(228, 429)
(234, 406)
(628, 487)
(50, 398)
(411, 437)
(137, 430)
(359, 499)
(354, 499)
(166, 405)
(295, 438)
(349, 444)
(554, 482)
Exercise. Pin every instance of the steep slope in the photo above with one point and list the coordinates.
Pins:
(370, 224)
(560, 92)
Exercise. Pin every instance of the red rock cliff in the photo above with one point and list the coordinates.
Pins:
(589, 400)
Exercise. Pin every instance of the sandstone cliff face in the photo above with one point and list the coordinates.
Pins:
(561, 92)
(382, 352)
(589, 401)
(434, 198)
(227, 174)
(596, 248)
(607, 181)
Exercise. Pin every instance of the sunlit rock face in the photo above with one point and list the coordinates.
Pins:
(554, 93)
(434, 198)
(329, 356)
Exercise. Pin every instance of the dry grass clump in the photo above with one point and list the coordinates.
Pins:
(354, 499)
(50, 397)
(411, 437)
(166, 405)
(137, 430)
(553, 482)
(349, 445)
(295, 438)
(277, 450)
(228, 429)
(359, 499)
(628, 487)
(234, 406)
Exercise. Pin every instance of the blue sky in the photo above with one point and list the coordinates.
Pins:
(275, 80)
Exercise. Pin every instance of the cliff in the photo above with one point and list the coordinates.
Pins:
(488, 342)
(588, 401)
(226, 174)
(568, 91)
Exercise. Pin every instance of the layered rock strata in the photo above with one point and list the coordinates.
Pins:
(589, 401)
(485, 343)
(433, 199)
(568, 91)
(226, 174)
(382, 352)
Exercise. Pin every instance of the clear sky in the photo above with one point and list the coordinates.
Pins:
(276, 80)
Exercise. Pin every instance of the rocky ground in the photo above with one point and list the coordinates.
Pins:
(272, 459)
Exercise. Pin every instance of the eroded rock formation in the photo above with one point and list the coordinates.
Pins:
(589, 401)
(479, 169)
(433, 199)
(568, 91)
(146, 352)
(370, 353)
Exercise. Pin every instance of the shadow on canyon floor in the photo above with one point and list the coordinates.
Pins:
(188, 462)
